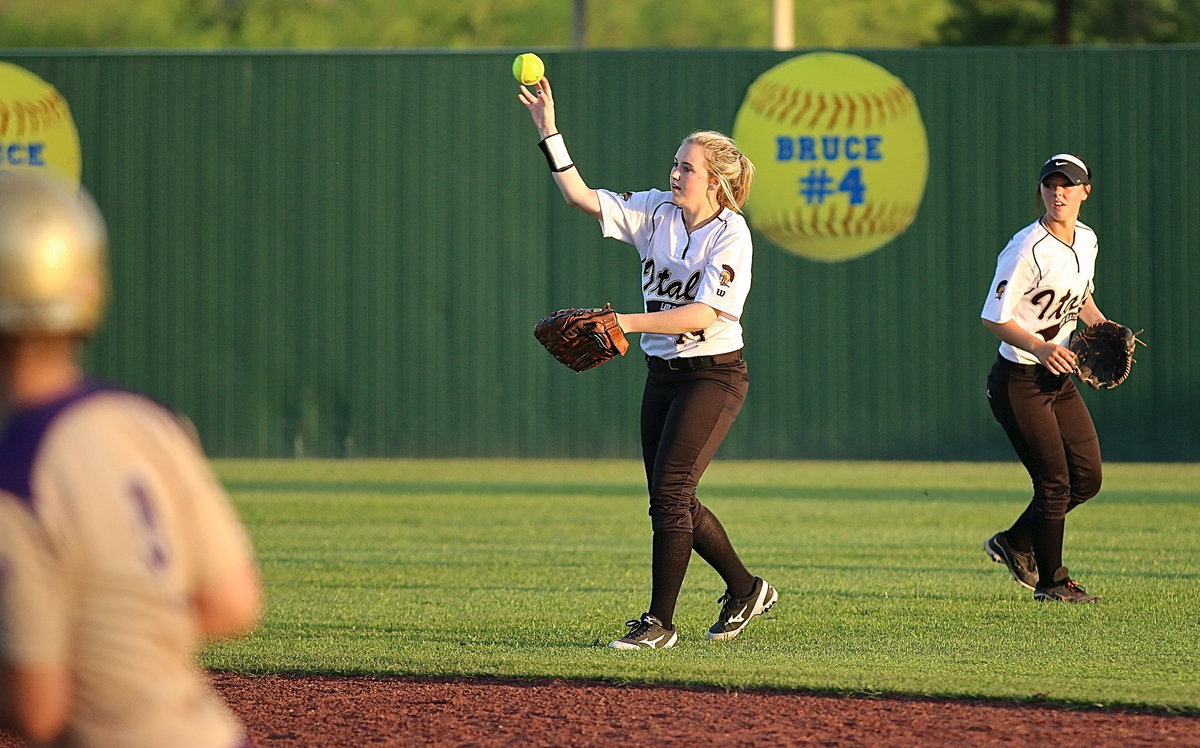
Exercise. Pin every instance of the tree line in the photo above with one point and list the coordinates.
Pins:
(324, 24)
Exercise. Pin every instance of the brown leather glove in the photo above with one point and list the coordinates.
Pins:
(1104, 353)
(582, 338)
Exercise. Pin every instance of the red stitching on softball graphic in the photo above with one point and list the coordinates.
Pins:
(803, 108)
(901, 100)
(819, 111)
(790, 103)
(28, 118)
(836, 111)
(831, 221)
(778, 102)
(775, 106)
(852, 106)
(868, 110)
(891, 218)
(847, 226)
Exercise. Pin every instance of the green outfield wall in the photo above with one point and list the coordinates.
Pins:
(344, 254)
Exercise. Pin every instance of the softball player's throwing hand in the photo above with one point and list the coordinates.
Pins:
(1058, 359)
(540, 104)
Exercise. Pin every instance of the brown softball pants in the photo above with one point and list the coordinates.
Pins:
(1050, 428)
(685, 417)
(1052, 432)
(688, 407)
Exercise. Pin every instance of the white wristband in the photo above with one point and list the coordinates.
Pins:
(556, 152)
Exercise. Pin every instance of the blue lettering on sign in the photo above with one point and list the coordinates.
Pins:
(829, 147)
(23, 154)
(815, 187)
(783, 149)
(818, 185)
(807, 151)
(873, 143)
(853, 186)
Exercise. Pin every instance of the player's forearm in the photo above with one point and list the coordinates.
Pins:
(1053, 356)
(230, 605)
(1015, 335)
(676, 321)
(35, 701)
(1090, 314)
(576, 192)
(562, 167)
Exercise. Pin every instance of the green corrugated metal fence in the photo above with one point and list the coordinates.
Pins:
(344, 253)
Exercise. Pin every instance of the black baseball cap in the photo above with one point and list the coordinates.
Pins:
(1071, 167)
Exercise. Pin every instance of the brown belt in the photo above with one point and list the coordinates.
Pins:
(692, 363)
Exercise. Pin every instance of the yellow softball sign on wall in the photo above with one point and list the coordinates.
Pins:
(36, 129)
(841, 154)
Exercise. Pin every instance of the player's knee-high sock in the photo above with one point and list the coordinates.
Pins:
(1020, 535)
(671, 553)
(711, 542)
(1048, 545)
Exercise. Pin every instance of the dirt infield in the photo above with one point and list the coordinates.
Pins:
(283, 710)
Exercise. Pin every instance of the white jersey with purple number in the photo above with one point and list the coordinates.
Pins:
(711, 265)
(110, 521)
(1041, 284)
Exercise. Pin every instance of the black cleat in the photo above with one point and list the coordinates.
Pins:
(736, 612)
(646, 633)
(1022, 566)
(1063, 590)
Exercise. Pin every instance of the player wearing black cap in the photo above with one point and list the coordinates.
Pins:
(1043, 284)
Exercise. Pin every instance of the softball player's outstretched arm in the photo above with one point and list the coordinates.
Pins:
(1054, 357)
(574, 190)
(231, 604)
(38, 699)
(676, 321)
(1090, 314)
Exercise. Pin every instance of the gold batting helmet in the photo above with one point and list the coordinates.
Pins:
(53, 264)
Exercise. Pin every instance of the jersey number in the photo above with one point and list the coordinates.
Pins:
(155, 551)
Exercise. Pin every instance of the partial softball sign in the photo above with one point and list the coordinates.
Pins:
(36, 129)
(841, 155)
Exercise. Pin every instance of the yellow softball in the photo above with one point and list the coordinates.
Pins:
(528, 68)
(36, 129)
(840, 151)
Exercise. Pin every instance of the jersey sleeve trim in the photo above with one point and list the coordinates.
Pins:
(22, 439)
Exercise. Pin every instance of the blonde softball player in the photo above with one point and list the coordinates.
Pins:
(696, 252)
(1042, 285)
(119, 550)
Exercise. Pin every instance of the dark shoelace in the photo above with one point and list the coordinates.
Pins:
(637, 627)
(729, 604)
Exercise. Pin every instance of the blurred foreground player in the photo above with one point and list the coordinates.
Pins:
(119, 549)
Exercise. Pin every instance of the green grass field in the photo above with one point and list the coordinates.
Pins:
(528, 568)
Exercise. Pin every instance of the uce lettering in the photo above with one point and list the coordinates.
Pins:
(22, 154)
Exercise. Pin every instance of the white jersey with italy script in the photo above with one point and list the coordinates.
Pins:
(711, 265)
(1041, 284)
